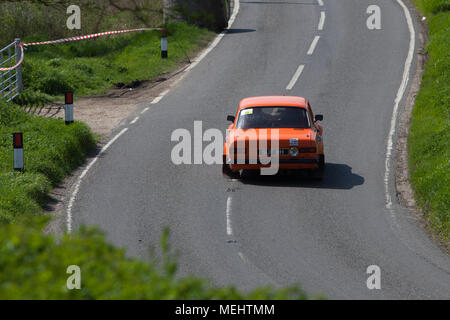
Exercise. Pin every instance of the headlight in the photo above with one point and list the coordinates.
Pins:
(293, 152)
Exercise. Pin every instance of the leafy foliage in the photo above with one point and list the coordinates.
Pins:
(33, 266)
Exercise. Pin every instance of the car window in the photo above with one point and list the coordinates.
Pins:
(272, 117)
(311, 114)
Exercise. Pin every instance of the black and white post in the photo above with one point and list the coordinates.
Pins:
(69, 107)
(164, 53)
(18, 151)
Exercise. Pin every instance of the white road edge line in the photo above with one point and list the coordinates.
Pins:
(206, 51)
(201, 57)
(229, 228)
(320, 3)
(158, 98)
(321, 21)
(313, 45)
(295, 77)
(218, 38)
(399, 97)
(83, 174)
(134, 120)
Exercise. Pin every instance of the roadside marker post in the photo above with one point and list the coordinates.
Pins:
(164, 53)
(69, 107)
(18, 151)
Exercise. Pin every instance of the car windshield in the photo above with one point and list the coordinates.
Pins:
(272, 117)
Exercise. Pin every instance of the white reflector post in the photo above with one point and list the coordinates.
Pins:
(18, 151)
(164, 53)
(69, 107)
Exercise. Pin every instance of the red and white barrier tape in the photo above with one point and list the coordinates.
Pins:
(77, 38)
(90, 36)
(18, 63)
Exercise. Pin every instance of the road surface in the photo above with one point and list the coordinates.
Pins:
(277, 230)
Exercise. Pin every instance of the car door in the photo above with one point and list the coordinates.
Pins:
(317, 130)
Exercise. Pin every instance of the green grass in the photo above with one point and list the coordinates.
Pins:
(91, 67)
(51, 151)
(48, 18)
(430, 127)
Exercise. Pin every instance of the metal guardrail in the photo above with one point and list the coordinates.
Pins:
(10, 80)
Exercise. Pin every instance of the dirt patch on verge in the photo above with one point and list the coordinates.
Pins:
(103, 113)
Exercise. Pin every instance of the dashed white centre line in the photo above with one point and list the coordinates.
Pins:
(320, 2)
(158, 98)
(295, 77)
(313, 45)
(145, 110)
(321, 21)
(229, 228)
(243, 258)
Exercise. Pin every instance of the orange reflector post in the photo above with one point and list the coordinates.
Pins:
(164, 53)
(17, 140)
(69, 97)
(18, 151)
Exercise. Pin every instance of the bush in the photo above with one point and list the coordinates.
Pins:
(34, 266)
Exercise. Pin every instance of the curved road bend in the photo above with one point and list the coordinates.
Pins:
(275, 230)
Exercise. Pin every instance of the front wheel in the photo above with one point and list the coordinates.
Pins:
(227, 172)
(320, 171)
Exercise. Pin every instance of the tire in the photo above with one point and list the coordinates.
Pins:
(320, 171)
(227, 172)
(251, 174)
(322, 163)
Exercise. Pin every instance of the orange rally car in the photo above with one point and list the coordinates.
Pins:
(251, 135)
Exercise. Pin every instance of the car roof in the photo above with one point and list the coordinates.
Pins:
(262, 101)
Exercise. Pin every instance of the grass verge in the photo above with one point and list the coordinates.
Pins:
(51, 151)
(90, 67)
(429, 150)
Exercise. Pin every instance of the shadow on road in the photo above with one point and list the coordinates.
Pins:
(281, 2)
(235, 31)
(337, 176)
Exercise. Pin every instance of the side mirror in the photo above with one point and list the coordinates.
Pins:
(231, 118)
(318, 117)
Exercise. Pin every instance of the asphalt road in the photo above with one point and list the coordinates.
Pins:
(277, 230)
